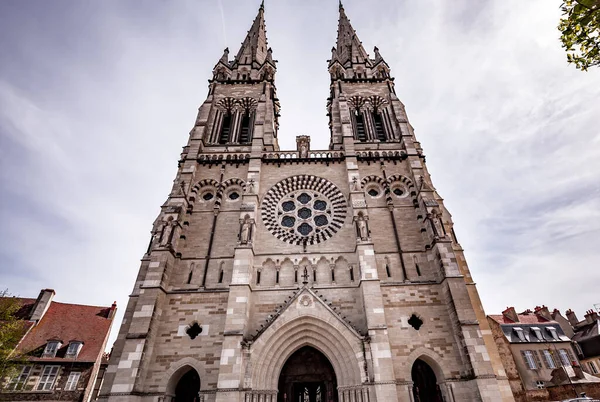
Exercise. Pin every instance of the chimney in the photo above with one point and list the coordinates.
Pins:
(543, 312)
(113, 310)
(511, 314)
(572, 317)
(591, 316)
(41, 304)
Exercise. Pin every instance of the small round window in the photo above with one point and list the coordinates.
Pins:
(234, 195)
(208, 196)
(373, 193)
(399, 190)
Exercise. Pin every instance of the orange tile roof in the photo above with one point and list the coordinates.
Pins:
(70, 322)
(523, 319)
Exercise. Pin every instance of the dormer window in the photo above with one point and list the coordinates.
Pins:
(51, 349)
(520, 334)
(553, 334)
(73, 349)
(538, 333)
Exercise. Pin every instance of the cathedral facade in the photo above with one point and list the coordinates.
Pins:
(304, 275)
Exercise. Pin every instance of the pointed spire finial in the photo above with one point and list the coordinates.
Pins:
(262, 4)
(341, 5)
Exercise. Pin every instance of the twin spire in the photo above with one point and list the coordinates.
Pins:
(254, 47)
(254, 50)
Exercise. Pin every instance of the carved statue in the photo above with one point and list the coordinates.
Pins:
(245, 231)
(437, 223)
(303, 150)
(355, 185)
(363, 230)
(250, 186)
(166, 231)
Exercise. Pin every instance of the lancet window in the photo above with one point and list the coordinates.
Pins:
(234, 121)
(359, 120)
(379, 126)
(225, 132)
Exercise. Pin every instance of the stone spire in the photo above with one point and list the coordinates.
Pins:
(348, 47)
(254, 47)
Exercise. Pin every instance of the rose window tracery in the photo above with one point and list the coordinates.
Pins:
(304, 209)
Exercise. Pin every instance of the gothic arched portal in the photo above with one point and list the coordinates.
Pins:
(307, 376)
(425, 387)
(187, 387)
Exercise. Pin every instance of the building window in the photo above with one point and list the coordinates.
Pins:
(520, 334)
(549, 360)
(245, 130)
(379, 129)
(553, 333)
(564, 357)
(72, 381)
(221, 276)
(540, 384)
(351, 274)
(73, 349)
(51, 349)
(361, 134)
(48, 377)
(529, 359)
(538, 333)
(19, 381)
(593, 367)
(225, 133)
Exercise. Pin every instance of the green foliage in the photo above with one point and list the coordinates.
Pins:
(12, 330)
(580, 29)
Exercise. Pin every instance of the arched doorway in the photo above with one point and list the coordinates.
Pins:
(307, 376)
(187, 387)
(425, 387)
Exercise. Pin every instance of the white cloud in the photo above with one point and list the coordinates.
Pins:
(92, 125)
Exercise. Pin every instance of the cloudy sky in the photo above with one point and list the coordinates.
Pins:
(97, 99)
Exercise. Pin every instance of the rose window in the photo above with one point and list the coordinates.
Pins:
(304, 209)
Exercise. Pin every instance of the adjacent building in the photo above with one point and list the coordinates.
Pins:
(63, 346)
(539, 356)
(587, 335)
(316, 275)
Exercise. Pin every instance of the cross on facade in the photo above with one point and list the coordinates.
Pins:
(305, 276)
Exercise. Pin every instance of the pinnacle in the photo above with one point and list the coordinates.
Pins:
(254, 46)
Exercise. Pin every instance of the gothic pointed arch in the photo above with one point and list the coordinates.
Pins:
(430, 357)
(307, 321)
(176, 372)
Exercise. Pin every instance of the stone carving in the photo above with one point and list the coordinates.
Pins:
(303, 210)
(362, 228)
(250, 187)
(167, 232)
(305, 301)
(245, 230)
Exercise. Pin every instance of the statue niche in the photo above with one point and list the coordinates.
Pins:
(246, 229)
(362, 227)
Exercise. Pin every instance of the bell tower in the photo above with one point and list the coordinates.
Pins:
(241, 111)
(364, 87)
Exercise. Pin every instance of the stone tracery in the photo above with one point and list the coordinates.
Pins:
(304, 209)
